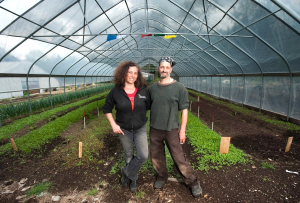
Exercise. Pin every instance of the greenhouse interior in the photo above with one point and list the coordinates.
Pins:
(244, 51)
(233, 126)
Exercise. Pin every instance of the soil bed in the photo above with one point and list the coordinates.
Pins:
(239, 183)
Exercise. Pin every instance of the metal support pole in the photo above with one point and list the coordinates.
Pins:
(96, 86)
(210, 85)
(29, 103)
(262, 93)
(50, 93)
(75, 89)
(84, 87)
(206, 86)
(219, 87)
(291, 93)
(65, 89)
(230, 90)
(244, 89)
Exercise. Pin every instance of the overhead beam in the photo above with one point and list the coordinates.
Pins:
(143, 33)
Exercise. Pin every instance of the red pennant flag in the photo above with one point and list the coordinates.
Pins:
(148, 35)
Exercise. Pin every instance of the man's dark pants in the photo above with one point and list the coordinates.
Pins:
(158, 158)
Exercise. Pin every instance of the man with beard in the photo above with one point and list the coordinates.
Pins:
(168, 97)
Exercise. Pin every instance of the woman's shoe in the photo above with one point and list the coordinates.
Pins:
(124, 178)
(133, 185)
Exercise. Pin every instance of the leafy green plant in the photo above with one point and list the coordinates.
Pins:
(140, 194)
(22, 162)
(92, 191)
(38, 189)
(31, 128)
(267, 165)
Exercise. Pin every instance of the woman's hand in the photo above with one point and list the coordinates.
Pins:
(116, 128)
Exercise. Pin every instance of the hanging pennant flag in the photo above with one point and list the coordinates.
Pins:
(170, 36)
(157, 35)
(111, 37)
(121, 36)
(148, 35)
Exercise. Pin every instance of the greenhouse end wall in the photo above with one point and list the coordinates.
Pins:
(268, 93)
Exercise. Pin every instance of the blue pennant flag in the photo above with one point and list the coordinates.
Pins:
(111, 37)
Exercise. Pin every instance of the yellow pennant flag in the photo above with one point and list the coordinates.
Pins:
(170, 36)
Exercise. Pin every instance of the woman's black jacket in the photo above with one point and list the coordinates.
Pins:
(126, 117)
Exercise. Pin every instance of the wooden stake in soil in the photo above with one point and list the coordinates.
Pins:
(288, 145)
(224, 146)
(83, 118)
(80, 150)
(98, 108)
(212, 123)
(13, 144)
(191, 105)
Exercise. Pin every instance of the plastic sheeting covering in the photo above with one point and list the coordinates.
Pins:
(234, 49)
(275, 96)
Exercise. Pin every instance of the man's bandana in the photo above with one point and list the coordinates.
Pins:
(167, 59)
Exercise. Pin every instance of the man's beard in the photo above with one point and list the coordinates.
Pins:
(164, 76)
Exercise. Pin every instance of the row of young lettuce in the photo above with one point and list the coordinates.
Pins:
(205, 142)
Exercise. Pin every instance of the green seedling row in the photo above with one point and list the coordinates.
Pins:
(235, 108)
(13, 110)
(206, 145)
(36, 138)
(8, 130)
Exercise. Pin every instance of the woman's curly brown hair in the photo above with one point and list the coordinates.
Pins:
(121, 73)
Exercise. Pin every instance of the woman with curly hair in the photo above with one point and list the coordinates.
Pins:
(131, 100)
